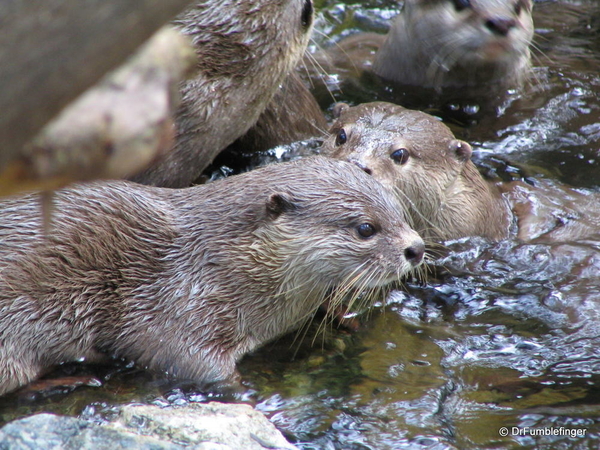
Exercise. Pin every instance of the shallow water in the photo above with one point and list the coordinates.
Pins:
(502, 335)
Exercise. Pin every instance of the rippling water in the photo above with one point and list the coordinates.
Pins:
(501, 335)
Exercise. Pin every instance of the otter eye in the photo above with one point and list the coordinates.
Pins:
(341, 137)
(518, 7)
(307, 14)
(400, 156)
(459, 5)
(365, 230)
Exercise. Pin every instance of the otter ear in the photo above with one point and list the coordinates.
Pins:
(339, 108)
(461, 149)
(279, 203)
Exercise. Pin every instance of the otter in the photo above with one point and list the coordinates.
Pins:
(431, 172)
(458, 44)
(459, 58)
(245, 50)
(417, 157)
(186, 281)
(292, 115)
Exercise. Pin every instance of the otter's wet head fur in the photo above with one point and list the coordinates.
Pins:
(431, 172)
(458, 43)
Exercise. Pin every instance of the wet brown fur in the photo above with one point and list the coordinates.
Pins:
(186, 281)
(439, 185)
(432, 44)
(245, 50)
(293, 115)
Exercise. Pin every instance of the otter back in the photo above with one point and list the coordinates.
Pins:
(245, 49)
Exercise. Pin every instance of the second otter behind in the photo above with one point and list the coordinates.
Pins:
(461, 57)
(431, 171)
(457, 44)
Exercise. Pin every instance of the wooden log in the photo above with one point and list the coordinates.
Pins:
(115, 128)
(53, 50)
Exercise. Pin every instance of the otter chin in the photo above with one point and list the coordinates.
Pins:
(186, 281)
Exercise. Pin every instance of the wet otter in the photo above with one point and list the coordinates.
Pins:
(245, 50)
(187, 281)
(431, 172)
(457, 57)
(293, 115)
(457, 44)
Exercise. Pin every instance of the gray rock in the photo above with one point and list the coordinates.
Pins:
(213, 426)
(48, 431)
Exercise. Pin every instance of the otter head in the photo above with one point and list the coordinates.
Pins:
(472, 32)
(328, 225)
(410, 152)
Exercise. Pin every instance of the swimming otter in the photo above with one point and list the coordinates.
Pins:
(431, 171)
(186, 281)
(459, 58)
(458, 44)
(245, 50)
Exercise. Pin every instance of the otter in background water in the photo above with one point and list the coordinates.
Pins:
(460, 58)
(245, 50)
(458, 44)
(186, 281)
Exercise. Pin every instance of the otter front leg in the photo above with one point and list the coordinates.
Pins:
(188, 362)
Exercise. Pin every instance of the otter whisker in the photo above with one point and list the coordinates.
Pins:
(355, 284)
(343, 288)
(362, 288)
(405, 198)
(538, 55)
(443, 61)
(376, 290)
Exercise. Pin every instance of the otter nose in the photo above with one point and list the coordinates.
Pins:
(500, 25)
(415, 252)
(361, 165)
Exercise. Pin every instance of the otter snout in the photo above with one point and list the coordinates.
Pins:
(500, 26)
(415, 252)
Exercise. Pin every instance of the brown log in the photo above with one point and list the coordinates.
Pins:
(115, 128)
(53, 50)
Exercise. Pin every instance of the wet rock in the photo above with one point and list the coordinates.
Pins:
(213, 426)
